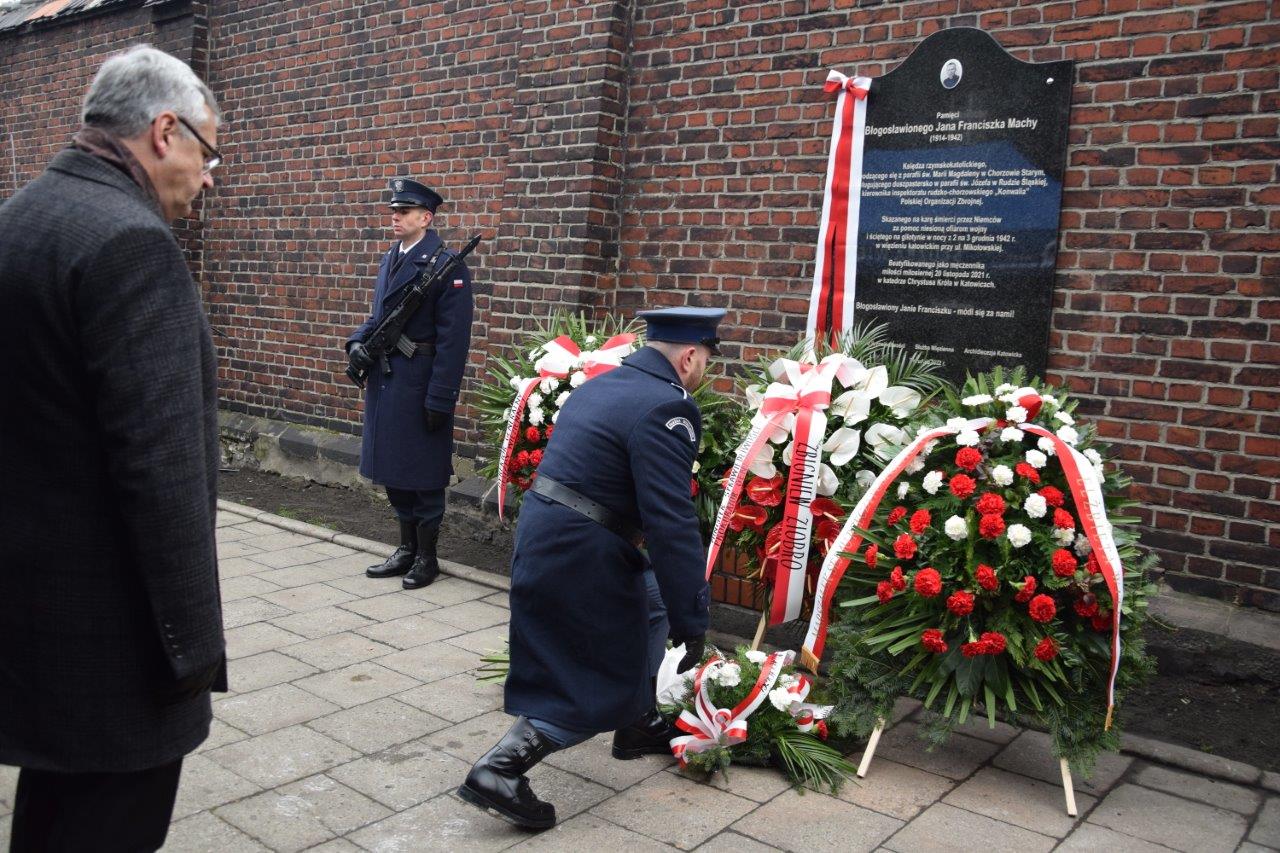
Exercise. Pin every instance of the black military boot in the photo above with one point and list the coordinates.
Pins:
(402, 559)
(426, 568)
(497, 780)
(649, 735)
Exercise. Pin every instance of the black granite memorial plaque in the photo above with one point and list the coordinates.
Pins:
(961, 189)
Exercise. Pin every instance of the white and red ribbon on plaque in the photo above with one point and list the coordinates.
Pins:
(560, 358)
(805, 395)
(713, 727)
(831, 303)
(1086, 492)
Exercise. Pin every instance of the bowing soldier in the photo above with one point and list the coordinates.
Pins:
(615, 473)
(407, 444)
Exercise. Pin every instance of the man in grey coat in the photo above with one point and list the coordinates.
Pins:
(110, 622)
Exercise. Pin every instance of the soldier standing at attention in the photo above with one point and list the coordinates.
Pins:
(615, 472)
(408, 413)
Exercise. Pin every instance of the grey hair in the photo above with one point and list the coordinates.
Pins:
(136, 85)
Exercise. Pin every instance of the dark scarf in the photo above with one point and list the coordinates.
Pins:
(109, 149)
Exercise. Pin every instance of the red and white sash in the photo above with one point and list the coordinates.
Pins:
(831, 303)
(713, 727)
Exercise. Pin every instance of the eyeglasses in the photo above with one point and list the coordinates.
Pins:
(211, 162)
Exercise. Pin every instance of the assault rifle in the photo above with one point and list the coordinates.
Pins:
(388, 335)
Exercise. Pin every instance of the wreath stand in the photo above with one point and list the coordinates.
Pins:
(1067, 789)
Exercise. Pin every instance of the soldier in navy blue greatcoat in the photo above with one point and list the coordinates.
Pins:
(408, 415)
(618, 465)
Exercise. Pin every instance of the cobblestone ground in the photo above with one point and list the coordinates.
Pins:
(356, 713)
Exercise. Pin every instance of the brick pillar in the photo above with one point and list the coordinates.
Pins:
(557, 241)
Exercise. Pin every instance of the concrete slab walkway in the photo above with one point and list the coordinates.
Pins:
(356, 712)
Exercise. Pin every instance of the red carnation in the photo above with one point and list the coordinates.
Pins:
(872, 555)
(766, 492)
(896, 579)
(884, 591)
(1024, 469)
(693, 487)
(990, 504)
(821, 729)
(987, 577)
(1042, 608)
(991, 526)
(1063, 519)
(1052, 496)
(897, 514)
(904, 547)
(547, 433)
(932, 641)
(535, 457)
(1028, 590)
(1047, 649)
(928, 582)
(1102, 622)
(968, 458)
(1091, 563)
(1064, 563)
(522, 459)
(960, 602)
(994, 641)
(523, 483)
(532, 434)
(1086, 607)
(919, 521)
(972, 650)
(962, 486)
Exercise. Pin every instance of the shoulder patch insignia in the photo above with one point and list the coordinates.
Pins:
(682, 422)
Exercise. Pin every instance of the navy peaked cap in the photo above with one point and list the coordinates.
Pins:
(684, 325)
(409, 193)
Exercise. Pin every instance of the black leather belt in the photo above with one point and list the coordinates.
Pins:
(585, 506)
(426, 347)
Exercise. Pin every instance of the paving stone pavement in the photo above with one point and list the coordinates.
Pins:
(355, 713)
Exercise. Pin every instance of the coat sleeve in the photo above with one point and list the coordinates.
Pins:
(662, 446)
(141, 329)
(453, 341)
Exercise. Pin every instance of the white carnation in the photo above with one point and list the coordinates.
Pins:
(1049, 401)
(756, 656)
(1046, 444)
(1064, 536)
(956, 528)
(590, 339)
(977, 400)
(546, 386)
(1003, 475)
(1036, 459)
(577, 378)
(1012, 434)
(1082, 545)
(957, 424)
(1068, 434)
(1003, 388)
(1016, 414)
(903, 489)
(1018, 535)
(729, 675)
(1093, 456)
(966, 438)
(1035, 506)
(787, 681)
(535, 400)
(555, 415)
(1064, 418)
(916, 466)
(932, 482)
(537, 416)
(781, 698)
(564, 395)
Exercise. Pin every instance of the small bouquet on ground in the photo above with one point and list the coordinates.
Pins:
(997, 573)
(817, 427)
(753, 708)
(521, 403)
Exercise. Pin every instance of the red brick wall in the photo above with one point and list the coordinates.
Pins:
(622, 154)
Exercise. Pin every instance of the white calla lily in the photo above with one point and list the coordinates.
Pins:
(876, 381)
(762, 465)
(828, 482)
(853, 406)
(865, 478)
(880, 435)
(842, 446)
(901, 400)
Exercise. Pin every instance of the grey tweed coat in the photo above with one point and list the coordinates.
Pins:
(108, 466)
